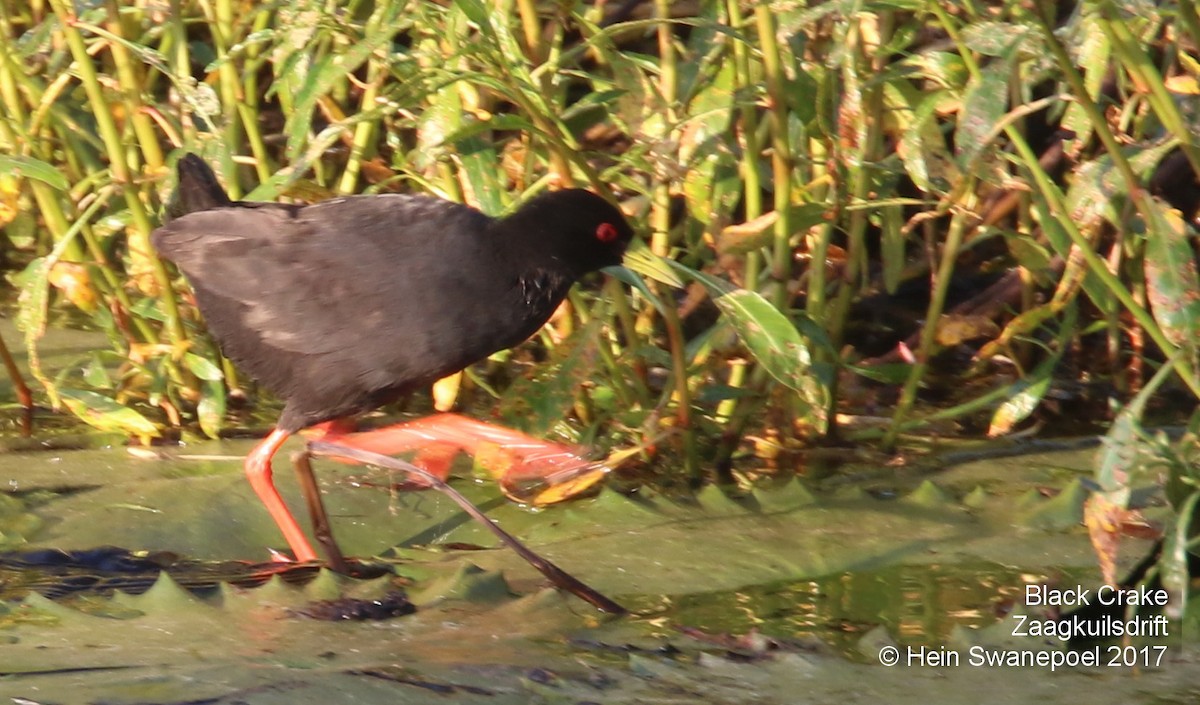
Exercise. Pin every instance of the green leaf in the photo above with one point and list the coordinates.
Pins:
(922, 148)
(1176, 577)
(211, 410)
(30, 168)
(203, 368)
(997, 38)
(1027, 394)
(1172, 284)
(640, 258)
(1120, 447)
(475, 11)
(771, 338)
(95, 373)
(711, 183)
(983, 108)
(1099, 191)
(106, 414)
(892, 246)
(1092, 54)
(328, 71)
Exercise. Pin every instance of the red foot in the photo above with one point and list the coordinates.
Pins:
(514, 457)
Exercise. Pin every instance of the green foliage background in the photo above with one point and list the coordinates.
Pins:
(796, 164)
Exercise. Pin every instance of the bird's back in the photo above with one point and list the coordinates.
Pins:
(343, 305)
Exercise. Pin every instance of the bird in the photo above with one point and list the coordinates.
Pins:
(344, 305)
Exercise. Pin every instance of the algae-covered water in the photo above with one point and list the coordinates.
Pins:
(785, 595)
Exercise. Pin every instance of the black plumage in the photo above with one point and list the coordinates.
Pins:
(341, 306)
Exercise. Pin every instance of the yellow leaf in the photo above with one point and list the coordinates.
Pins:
(1183, 84)
(73, 280)
(445, 391)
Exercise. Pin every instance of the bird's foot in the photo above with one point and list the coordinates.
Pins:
(528, 469)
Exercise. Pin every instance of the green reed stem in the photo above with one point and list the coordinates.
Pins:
(131, 80)
(139, 230)
(959, 223)
(781, 152)
(362, 145)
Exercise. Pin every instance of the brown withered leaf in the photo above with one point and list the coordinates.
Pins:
(1106, 522)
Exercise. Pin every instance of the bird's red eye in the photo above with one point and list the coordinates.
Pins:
(607, 232)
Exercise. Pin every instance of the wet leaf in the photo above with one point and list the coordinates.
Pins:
(554, 487)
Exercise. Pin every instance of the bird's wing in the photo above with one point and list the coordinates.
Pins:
(299, 279)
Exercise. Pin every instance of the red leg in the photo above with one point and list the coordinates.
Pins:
(258, 470)
(462, 433)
